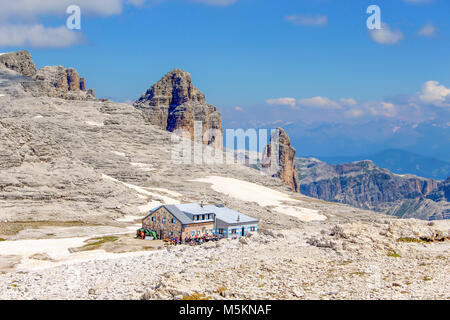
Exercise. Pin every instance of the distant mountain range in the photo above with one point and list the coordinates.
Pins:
(324, 140)
(400, 162)
(362, 184)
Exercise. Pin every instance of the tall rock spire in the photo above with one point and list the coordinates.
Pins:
(280, 150)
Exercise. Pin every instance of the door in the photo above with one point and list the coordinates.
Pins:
(243, 231)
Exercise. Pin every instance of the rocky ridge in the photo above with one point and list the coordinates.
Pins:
(364, 185)
(52, 81)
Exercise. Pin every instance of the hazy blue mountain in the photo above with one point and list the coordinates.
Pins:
(400, 162)
(430, 139)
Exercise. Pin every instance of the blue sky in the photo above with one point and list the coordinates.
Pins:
(297, 60)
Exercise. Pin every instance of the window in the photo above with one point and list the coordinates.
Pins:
(193, 233)
(252, 229)
(203, 217)
(173, 220)
(163, 220)
(220, 231)
(195, 218)
(170, 233)
(154, 219)
(208, 216)
(233, 231)
(199, 232)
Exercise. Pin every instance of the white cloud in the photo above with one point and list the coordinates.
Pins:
(314, 102)
(386, 35)
(20, 19)
(385, 109)
(348, 101)
(303, 20)
(31, 9)
(19, 10)
(354, 113)
(282, 102)
(435, 94)
(428, 30)
(238, 108)
(38, 36)
(319, 102)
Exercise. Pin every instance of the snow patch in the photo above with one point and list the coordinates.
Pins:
(170, 192)
(247, 191)
(93, 123)
(143, 166)
(129, 218)
(145, 191)
(58, 250)
(303, 214)
(117, 153)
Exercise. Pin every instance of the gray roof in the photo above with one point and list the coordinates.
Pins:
(230, 216)
(185, 213)
(177, 213)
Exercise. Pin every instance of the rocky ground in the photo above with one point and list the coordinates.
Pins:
(349, 261)
(74, 170)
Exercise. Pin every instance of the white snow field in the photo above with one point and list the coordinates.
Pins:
(247, 191)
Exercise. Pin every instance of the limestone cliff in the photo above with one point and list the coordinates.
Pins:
(173, 103)
(364, 185)
(286, 169)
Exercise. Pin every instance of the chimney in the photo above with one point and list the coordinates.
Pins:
(238, 218)
(201, 204)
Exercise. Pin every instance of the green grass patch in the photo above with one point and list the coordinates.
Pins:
(410, 240)
(98, 242)
(393, 254)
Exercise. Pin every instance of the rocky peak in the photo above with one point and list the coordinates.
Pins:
(62, 78)
(20, 62)
(174, 103)
(287, 169)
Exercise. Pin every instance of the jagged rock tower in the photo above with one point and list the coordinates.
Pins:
(174, 103)
(286, 169)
